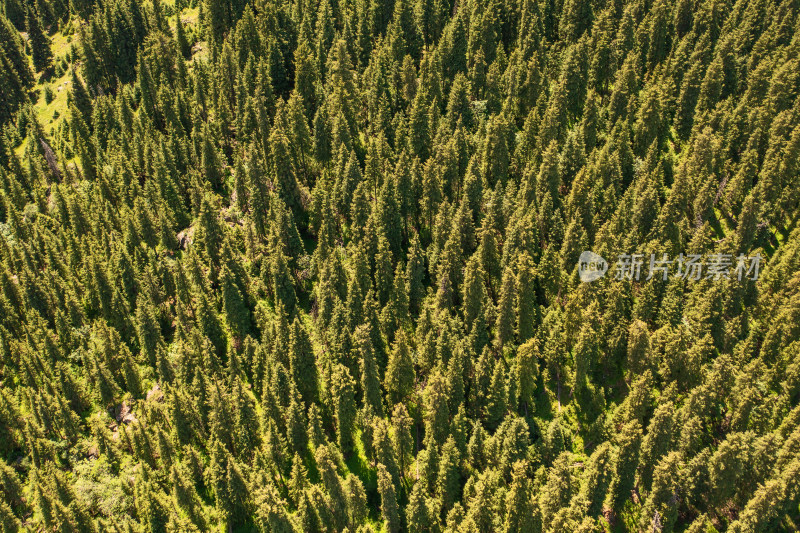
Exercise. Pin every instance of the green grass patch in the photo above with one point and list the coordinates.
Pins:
(50, 114)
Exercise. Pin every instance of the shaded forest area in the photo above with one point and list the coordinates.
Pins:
(313, 265)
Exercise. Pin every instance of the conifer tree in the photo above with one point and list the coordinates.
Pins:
(210, 233)
(234, 304)
(389, 508)
(418, 517)
(521, 513)
(302, 363)
(281, 282)
(80, 96)
(184, 46)
(448, 478)
(400, 376)
(505, 309)
(345, 407)
(40, 42)
(370, 382)
(474, 297)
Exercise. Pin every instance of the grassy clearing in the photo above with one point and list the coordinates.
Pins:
(50, 114)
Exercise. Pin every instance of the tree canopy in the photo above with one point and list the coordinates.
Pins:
(314, 266)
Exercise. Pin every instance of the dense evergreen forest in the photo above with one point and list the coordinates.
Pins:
(313, 265)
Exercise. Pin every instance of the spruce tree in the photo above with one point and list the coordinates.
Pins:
(505, 309)
(345, 407)
(399, 380)
(39, 41)
(184, 46)
(302, 363)
(389, 508)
